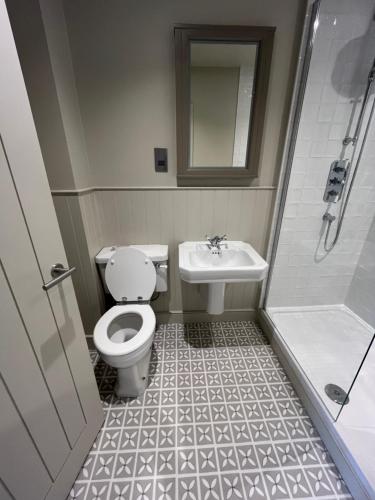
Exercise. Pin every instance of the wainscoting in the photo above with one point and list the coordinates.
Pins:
(100, 217)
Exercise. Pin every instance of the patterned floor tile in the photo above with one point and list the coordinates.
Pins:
(97, 490)
(166, 462)
(125, 464)
(78, 492)
(254, 487)
(210, 487)
(219, 420)
(120, 490)
(232, 486)
(276, 485)
(187, 488)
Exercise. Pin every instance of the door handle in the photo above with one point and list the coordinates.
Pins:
(58, 273)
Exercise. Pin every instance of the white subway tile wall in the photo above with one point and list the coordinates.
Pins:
(304, 273)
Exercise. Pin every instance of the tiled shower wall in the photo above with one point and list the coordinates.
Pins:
(304, 273)
(168, 216)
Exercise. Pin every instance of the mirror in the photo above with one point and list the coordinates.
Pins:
(221, 90)
(222, 75)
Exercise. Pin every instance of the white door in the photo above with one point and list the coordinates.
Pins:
(50, 411)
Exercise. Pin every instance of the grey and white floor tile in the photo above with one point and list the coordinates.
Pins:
(219, 420)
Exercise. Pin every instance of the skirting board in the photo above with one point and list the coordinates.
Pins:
(322, 420)
(203, 316)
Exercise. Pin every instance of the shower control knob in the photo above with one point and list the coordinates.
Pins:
(335, 180)
(332, 193)
(338, 169)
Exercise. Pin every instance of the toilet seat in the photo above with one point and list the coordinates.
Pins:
(130, 275)
(107, 346)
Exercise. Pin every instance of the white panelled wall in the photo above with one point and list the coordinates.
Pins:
(168, 216)
(304, 273)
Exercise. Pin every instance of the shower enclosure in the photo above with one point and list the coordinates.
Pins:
(320, 295)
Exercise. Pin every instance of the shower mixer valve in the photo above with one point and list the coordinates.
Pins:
(336, 181)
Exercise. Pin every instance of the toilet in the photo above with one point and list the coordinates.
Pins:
(124, 334)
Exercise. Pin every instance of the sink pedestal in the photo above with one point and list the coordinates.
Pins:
(216, 292)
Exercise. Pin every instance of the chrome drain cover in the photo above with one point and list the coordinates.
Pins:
(337, 394)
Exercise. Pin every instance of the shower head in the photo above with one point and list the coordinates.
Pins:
(359, 55)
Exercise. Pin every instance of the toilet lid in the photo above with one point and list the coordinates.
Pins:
(130, 275)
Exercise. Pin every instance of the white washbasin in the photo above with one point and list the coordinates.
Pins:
(236, 262)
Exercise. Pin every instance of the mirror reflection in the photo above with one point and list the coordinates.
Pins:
(221, 94)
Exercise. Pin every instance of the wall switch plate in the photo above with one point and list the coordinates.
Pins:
(161, 159)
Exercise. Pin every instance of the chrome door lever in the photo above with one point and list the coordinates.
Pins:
(58, 273)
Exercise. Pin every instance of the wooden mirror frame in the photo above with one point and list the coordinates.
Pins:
(220, 176)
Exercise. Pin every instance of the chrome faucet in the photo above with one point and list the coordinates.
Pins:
(214, 243)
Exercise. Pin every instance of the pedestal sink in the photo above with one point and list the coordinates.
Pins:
(236, 261)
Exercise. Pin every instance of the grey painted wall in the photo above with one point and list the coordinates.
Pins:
(123, 57)
(50, 81)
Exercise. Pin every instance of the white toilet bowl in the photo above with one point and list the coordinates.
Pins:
(123, 336)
